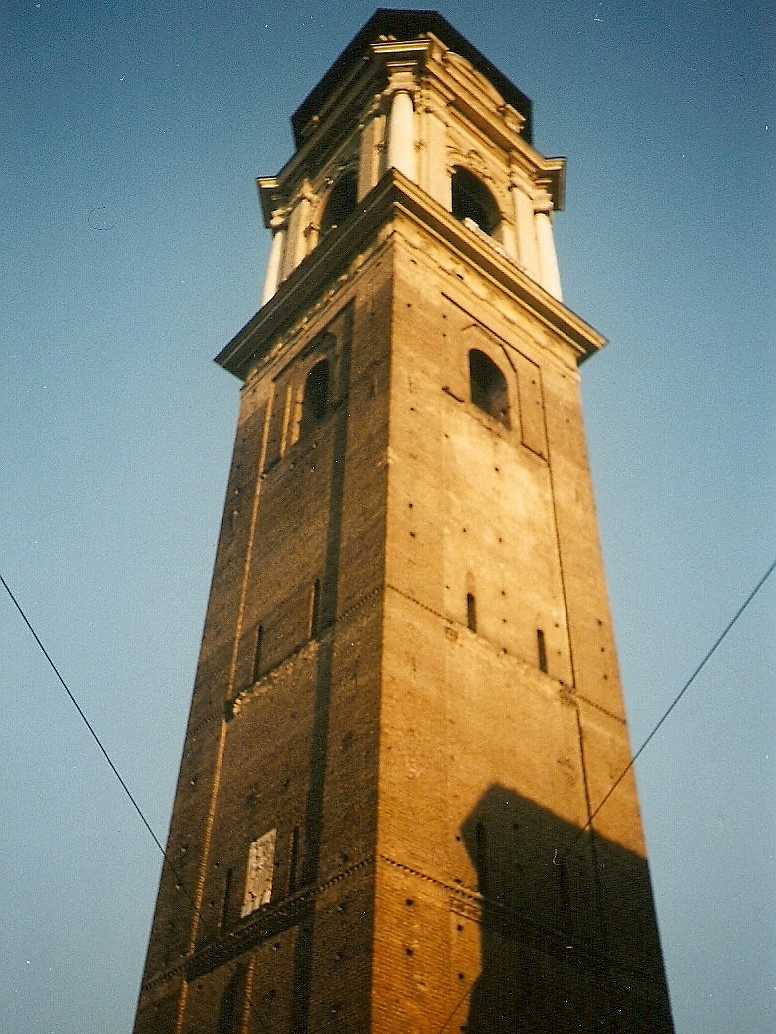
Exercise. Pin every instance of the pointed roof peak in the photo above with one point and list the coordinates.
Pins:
(402, 24)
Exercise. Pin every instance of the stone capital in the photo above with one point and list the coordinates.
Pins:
(402, 81)
(543, 204)
(402, 62)
(274, 203)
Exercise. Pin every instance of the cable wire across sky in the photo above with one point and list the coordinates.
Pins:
(707, 656)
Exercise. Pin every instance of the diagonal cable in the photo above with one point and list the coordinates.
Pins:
(674, 702)
(85, 720)
(113, 768)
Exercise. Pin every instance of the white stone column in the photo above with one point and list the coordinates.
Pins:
(549, 273)
(293, 237)
(508, 240)
(369, 148)
(304, 210)
(401, 135)
(296, 242)
(272, 276)
(436, 180)
(527, 251)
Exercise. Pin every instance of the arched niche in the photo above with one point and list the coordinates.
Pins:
(340, 202)
(473, 202)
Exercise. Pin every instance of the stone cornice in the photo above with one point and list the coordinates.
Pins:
(271, 920)
(395, 197)
(266, 922)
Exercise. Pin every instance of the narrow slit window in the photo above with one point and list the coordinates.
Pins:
(315, 609)
(257, 653)
(481, 845)
(541, 650)
(315, 401)
(227, 899)
(293, 860)
(471, 612)
(489, 391)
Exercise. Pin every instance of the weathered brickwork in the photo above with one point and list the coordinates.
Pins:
(407, 704)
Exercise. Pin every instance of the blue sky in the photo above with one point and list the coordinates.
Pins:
(133, 249)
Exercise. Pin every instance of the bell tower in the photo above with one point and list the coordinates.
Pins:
(407, 705)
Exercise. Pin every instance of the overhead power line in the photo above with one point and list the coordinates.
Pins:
(587, 825)
(678, 697)
(125, 788)
(599, 806)
(85, 720)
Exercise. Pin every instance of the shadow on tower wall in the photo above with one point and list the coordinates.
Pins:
(569, 941)
(327, 609)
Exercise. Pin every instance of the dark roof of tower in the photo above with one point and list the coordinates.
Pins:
(406, 25)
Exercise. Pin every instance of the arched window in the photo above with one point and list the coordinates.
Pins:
(488, 385)
(472, 200)
(342, 201)
(315, 401)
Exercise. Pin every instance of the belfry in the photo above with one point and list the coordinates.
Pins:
(407, 706)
